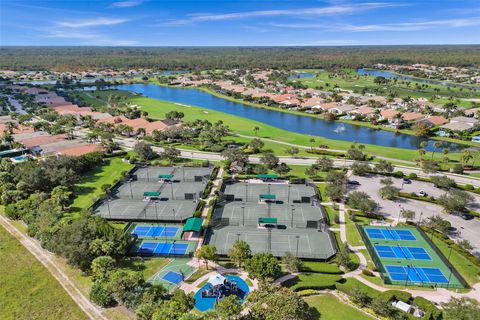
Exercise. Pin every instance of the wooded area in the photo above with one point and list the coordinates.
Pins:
(194, 58)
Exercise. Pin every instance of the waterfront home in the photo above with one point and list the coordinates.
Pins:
(342, 109)
(412, 116)
(436, 120)
(461, 124)
(388, 114)
(364, 111)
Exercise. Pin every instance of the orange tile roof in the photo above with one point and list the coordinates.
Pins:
(388, 113)
(19, 129)
(136, 123)
(364, 110)
(437, 120)
(81, 150)
(36, 141)
(113, 120)
(409, 116)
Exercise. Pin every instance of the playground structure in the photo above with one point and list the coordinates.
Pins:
(221, 287)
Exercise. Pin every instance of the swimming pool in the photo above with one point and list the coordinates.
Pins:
(203, 303)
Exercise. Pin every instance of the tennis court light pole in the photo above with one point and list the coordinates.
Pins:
(246, 191)
(243, 214)
(420, 218)
(288, 199)
(171, 187)
(406, 278)
(238, 236)
(108, 206)
(148, 175)
(164, 231)
(131, 192)
(291, 221)
(156, 211)
(298, 237)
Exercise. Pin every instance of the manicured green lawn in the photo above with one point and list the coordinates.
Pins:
(89, 187)
(329, 307)
(157, 109)
(320, 267)
(316, 281)
(331, 213)
(467, 269)
(27, 289)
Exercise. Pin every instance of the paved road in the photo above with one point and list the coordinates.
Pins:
(468, 230)
(201, 155)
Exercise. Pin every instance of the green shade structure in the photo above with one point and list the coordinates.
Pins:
(267, 220)
(193, 224)
(151, 194)
(267, 176)
(268, 196)
(165, 176)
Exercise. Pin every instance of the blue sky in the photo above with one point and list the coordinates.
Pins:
(238, 23)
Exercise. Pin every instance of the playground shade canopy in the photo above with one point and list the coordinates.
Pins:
(267, 176)
(151, 194)
(193, 224)
(216, 280)
(165, 176)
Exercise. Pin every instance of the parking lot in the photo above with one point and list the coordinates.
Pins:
(371, 184)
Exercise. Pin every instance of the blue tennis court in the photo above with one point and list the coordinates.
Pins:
(173, 277)
(155, 231)
(401, 252)
(416, 274)
(163, 248)
(389, 234)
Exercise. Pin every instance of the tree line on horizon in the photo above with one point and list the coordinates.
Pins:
(201, 58)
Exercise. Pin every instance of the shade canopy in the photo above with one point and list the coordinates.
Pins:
(193, 224)
(151, 194)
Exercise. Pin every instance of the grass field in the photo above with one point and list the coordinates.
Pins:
(90, 185)
(329, 307)
(467, 269)
(27, 289)
(350, 80)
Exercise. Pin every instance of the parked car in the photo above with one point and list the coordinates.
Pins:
(466, 216)
(354, 182)
(407, 181)
(422, 193)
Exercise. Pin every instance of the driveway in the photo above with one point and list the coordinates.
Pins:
(468, 230)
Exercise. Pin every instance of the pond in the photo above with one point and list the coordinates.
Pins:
(301, 75)
(287, 121)
(392, 75)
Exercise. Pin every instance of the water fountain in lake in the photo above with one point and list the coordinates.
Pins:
(340, 129)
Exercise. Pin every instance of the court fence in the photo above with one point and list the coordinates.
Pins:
(386, 278)
(444, 260)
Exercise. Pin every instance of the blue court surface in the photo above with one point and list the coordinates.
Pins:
(163, 248)
(155, 231)
(389, 234)
(173, 277)
(416, 274)
(401, 252)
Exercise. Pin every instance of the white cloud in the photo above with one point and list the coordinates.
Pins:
(404, 26)
(90, 38)
(126, 4)
(94, 22)
(319, 11)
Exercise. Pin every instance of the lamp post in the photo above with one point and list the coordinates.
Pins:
(173, 213)
(246, 191)
(171, 188)
(449, 266)
(238, 236)
(420, 218)
(164, 231)
(156, 210)
(131, 192)
(288, 199)
(298, 237)
(148, 174)
(291, 220)
(108, 206)
(243, 214)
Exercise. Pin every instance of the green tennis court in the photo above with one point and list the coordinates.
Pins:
(405, 256)
(173, 274)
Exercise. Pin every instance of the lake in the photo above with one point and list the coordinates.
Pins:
(287, 121)
(392, 75)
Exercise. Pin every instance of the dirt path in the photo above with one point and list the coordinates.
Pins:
(45, 258)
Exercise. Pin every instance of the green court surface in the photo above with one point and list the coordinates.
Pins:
(160, 231)
(405, 256)
(178, 266)
(163, 247)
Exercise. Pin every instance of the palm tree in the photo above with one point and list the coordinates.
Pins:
(466, 157)
(312, 141)
(436, 145)
(256, 129)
